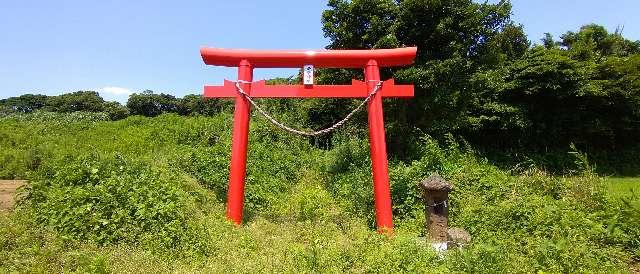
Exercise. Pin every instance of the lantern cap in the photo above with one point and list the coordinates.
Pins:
(436, 183)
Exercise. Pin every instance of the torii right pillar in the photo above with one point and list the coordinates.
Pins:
(378, 147)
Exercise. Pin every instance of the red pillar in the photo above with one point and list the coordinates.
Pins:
(238, 167)
(381, 191)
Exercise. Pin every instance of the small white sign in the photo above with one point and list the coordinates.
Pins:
(307, 75)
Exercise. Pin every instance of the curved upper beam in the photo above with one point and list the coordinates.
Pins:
(299, 58)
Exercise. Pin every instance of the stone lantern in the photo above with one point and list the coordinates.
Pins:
(435, 192)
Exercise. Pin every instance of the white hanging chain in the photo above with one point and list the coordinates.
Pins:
(307, 133)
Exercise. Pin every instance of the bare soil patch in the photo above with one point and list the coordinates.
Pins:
(7, 193)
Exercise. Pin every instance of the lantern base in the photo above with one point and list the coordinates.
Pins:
(440, 247)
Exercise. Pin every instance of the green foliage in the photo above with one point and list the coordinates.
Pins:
(593, 41)
(29, 248)
(84, 101)
(562, 100)
(476, 76)
(456, 40)
(360, 24)
(108, 200)
(141, 193)
(115, 110)
(24, 103)
(150, 192)
(26, 142)
(88, 101)
(149, 104)
(146, 103)
(198, 105)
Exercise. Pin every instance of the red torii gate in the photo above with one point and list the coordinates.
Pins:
(369, 60)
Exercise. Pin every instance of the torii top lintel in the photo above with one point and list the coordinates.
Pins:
(299, 58)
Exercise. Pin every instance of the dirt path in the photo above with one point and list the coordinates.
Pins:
(7, 193)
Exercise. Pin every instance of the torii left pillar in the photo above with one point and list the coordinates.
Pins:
(238, 166)
(369, 60)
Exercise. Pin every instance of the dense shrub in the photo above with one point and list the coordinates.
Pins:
(555, 224)
(108, 201)
(55, 120)
(30, 140)
(115, 110)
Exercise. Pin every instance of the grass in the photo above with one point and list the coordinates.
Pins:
(147, 195)
(621, 186)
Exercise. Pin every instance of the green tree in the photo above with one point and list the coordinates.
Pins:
(476, 75)
(115, 110)
(198, 105)
(150, 104)
(562, 98)
(456, 39)
(547, 41)
(24, 103)
(594, 41)
(77, 101)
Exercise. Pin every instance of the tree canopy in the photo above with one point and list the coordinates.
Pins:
(477, 75)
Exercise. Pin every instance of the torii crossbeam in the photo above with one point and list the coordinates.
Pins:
(369, 60)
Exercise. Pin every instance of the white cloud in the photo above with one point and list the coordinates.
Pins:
(115, 91)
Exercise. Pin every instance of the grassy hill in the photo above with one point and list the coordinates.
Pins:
(147, 195)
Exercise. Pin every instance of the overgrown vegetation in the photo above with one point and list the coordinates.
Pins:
(523, 131)
(122, 195)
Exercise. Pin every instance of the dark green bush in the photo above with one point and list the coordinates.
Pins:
(115, 110)
(149, 104)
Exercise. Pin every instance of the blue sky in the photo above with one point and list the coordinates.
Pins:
(117, 47)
